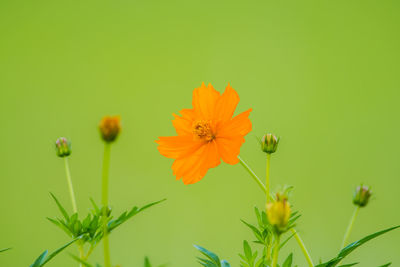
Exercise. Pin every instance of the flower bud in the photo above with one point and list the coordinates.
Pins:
(110, 128)
(278, 212)
(362, 195)
(63, 147)
(269, 143)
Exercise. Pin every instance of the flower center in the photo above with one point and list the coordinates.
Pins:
(202, 129)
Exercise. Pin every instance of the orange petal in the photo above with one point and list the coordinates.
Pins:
(226, 104)
(177, 146)
(195, 166)
(204, 100)
(229, 148)
(238, 126)
(188, 114)
(183, 125)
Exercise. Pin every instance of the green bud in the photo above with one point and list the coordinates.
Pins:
(63, 147)
(105, 211)
(362, 195)
(269, 143)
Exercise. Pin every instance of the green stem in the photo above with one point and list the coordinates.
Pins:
(276, 251)
(253, 175)
(70, 186)
(89, 252)
(81, 253)
(267, 185)
(73, 200)
(269, 250)
(267, 194)
(303, 247)
(350, 226)
(104, 199)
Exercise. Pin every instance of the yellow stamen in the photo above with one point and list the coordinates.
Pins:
(202, 130)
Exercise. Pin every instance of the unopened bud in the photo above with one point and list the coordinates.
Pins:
(269, 143)
(63, 147)
(110, 128)
(278, 212)
(362, 195)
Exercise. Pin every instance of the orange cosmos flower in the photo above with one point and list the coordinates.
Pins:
(207, 133)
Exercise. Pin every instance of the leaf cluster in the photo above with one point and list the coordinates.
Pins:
(90, 229)
(264, 232)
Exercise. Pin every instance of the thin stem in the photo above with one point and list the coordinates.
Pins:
(267, 194)
(269, 249)
(89, 252)
(70, 186)
(253, 175)
(350, 226)
(267, 185)
(276, 251)
(303, 247)
(81, 253)
(104, 199)
(73, 200)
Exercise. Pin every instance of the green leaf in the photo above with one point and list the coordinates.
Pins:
(60, 207)
(386, 265)
(247, 250)
(151, 204)
(39, 261)
(126, 216)
(212, 259)
(4, 249)
(147, 262)
(256, 232)
(210, 255)
(96, 208)
(206, 263)
(288, 261)
(350, 248)
(43, 258)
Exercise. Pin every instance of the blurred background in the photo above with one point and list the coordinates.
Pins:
(324, 75)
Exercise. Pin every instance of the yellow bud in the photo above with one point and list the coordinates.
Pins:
(110, 128)
(278, 213)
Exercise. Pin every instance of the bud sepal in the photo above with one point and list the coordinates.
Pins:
(362, 195)
(63, 147)
(269, 143)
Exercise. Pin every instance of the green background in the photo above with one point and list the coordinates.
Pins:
(323, 74)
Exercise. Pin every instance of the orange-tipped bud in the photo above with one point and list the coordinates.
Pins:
(110, 128)
(63, 147)
(362, 195)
